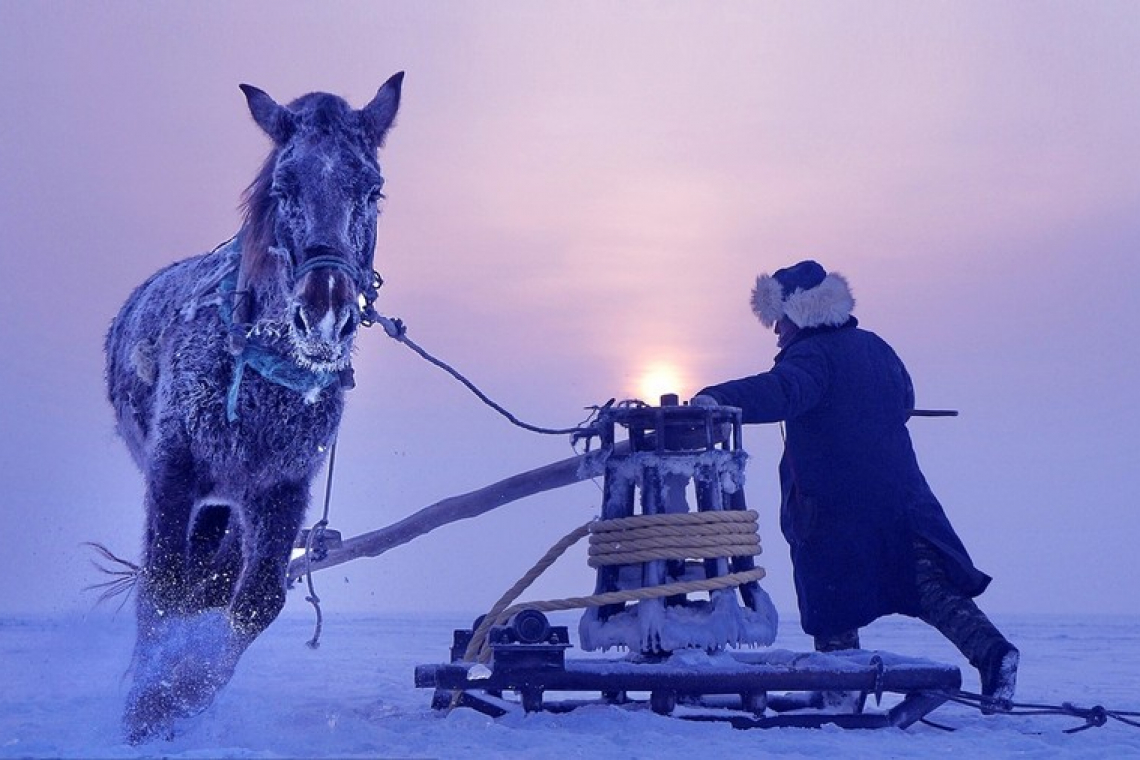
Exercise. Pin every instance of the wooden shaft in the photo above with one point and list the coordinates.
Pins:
(933, 413)
(472, 504)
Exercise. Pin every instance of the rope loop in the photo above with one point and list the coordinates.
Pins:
(1094, 717)
(314, 541)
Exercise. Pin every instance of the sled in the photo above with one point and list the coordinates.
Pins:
(764, 688)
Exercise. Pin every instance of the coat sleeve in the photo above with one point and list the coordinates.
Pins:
(795, 384)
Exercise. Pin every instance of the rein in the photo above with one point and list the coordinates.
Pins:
(397, 331)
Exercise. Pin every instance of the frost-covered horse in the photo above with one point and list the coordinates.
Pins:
(227, 374)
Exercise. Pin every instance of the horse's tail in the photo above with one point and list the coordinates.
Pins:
(124, 574)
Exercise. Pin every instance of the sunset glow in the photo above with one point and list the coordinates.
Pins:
(657, 379)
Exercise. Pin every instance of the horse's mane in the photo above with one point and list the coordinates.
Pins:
(257, 230)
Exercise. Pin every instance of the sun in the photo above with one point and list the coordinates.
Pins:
(657, 379)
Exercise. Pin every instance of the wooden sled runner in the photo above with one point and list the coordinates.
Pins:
(739, 687)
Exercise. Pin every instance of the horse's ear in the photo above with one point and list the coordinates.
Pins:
(381, 112)
(276, 120)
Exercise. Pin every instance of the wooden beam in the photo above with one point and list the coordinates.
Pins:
(451, 509)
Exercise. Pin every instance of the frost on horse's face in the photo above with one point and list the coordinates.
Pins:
(326, 208)
(225, 373)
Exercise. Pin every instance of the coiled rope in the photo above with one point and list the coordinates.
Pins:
(626, 540)
(679, 535)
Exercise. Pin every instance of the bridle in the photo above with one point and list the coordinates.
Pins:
(368, 282)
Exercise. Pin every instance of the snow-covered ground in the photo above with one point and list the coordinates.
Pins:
(354, 697)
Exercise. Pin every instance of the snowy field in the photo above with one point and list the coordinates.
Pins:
(354, 698)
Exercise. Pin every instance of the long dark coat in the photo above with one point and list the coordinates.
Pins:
(853, 497)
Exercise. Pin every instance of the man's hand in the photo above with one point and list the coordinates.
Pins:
(721, 431)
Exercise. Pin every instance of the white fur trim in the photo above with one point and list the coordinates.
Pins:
(829, 303)
(767, 300)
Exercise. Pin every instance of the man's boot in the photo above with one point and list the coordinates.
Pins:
(998, 671)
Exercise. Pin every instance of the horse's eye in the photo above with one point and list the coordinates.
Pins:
(375, 197)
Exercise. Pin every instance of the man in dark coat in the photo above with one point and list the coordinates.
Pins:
(868, 537)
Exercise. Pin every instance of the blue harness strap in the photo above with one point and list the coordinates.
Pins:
(276, 369)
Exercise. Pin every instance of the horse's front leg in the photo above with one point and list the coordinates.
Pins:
(172, 488)
(171, 631)
(215, 558)
(270, 523)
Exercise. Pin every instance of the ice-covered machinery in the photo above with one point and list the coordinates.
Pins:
(649, 539)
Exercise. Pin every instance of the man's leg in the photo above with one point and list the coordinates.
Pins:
(958, 618)
(840, 701)
(835, 642)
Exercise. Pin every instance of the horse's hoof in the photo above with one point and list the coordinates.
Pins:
(148, 718)
(146, 733)
(178, 673)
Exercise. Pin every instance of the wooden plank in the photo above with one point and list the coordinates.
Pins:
(695, 681)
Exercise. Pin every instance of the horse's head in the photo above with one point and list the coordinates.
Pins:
(315, 206)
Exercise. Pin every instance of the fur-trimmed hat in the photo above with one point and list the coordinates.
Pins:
(804, 293)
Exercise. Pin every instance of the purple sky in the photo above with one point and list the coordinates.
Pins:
(579, 192)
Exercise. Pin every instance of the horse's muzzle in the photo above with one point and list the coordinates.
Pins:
(324, 316)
